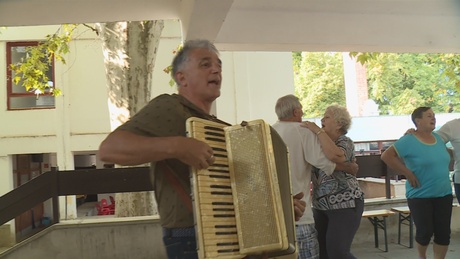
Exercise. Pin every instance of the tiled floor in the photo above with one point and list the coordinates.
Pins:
(361, 251)
(395, 251)
(87, 209)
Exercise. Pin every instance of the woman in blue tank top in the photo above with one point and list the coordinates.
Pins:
(423, 159)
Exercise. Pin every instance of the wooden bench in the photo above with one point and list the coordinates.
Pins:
(378, 218)
(404, 218)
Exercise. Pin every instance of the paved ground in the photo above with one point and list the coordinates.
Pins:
(395, 251)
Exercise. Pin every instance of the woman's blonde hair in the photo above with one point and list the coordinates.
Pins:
(341, 116)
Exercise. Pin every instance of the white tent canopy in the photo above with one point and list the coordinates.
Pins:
(270, 25)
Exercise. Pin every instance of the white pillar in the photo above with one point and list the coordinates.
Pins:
(351, 85)
(64, 155)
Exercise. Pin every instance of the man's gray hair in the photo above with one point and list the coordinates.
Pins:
(182, 55)
(285, 106)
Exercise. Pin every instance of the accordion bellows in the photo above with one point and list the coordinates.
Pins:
(243, 202)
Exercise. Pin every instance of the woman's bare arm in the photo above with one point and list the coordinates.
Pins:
(332, 152)
(391, 158)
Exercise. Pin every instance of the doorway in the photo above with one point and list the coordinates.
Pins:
(25, 168)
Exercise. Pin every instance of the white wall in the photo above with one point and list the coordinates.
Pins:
(52, 130)
(252, 82)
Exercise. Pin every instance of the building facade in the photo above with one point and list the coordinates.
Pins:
(66, 131)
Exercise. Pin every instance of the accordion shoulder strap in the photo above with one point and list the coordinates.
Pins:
(172, 179)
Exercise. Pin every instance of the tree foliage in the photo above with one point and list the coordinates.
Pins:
(319, 81)
(398, 83)
(31, 72)
(168, 69)
(401, 82)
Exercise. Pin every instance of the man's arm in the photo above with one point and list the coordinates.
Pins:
(348, 167)
(126, 148)
(451, 152)
(299, 206)
(445, 132)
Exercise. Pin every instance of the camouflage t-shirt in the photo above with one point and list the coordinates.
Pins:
(165, 116)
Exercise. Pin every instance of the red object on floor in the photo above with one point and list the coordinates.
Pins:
(103, 208)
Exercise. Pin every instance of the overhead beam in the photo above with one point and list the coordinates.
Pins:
(270, 25)
(52, 12)
(398, 26)
(203, 19)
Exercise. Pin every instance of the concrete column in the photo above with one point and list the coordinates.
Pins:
(64, 155)
(252, 82)
(356, 90)
(351, 86)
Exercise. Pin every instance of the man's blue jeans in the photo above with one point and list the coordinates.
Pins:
(179, 246)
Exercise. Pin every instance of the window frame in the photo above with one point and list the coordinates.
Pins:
(9, 77)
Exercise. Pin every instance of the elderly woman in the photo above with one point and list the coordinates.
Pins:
(428, 189)
(338, 202)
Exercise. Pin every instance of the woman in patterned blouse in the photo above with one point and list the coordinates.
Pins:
(338, 202)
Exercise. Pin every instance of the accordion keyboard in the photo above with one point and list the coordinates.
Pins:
(213, 195)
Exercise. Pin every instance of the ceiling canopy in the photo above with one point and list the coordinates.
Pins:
(270, 25)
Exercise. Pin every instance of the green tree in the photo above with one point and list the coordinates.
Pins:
(401, 82)
(31, 72)
(398, 83)
(319, 81)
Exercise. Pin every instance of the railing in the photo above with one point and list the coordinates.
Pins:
(55, 183)
(373, 166)
(378, 146)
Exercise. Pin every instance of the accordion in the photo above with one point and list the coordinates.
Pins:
(243, 202)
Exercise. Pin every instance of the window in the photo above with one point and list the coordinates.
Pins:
(18, 97)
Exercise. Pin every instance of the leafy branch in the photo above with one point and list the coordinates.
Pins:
(32, 70)
(450, 70)
(168, 69)
(364, 57)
